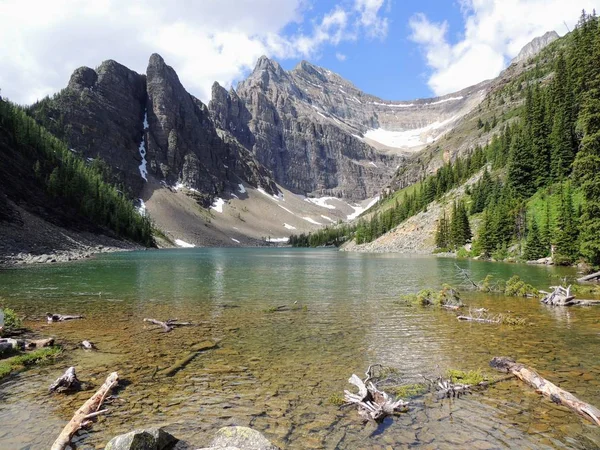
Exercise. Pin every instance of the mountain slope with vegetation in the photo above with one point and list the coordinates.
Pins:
(42, 181)
(539, 194)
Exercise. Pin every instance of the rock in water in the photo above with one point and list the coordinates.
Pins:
(243, 438)
(150, 439)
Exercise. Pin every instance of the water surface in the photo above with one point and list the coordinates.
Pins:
(275, 371)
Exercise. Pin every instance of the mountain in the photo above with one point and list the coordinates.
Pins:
(244, 167)
(148, 126)
(523, 166)
(319, 134)
(535, 46)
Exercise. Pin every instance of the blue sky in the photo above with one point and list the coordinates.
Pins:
(396, 49)
(392, 67)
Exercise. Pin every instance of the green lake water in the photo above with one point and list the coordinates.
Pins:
(274, 371)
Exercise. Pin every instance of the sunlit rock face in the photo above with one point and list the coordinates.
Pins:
(319, 134)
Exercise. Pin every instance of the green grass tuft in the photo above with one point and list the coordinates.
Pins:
(20, 362)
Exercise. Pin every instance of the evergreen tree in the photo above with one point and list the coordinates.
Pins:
(534, 248)
(520, 175)
(442, 235)
(587, 163)
(566, 234)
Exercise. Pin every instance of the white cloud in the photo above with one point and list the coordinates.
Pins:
(374, 24)
(42, 42)
(340, 56)
(494, 33)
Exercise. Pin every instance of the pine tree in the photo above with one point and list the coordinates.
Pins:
(442, 235)
(566, 234)
(487, 236)
(587, 162)
(520, 167)
(534, 248)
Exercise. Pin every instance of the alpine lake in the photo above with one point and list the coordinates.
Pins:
(276, 371)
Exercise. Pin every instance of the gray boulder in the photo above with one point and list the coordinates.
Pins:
(150, 439)
(242, 438)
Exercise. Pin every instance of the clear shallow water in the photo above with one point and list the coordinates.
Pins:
(275, 371)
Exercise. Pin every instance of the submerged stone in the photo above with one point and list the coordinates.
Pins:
(242, 438)
(150, 439)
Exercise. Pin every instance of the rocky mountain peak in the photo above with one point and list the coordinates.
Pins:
(535, 46)
(83, 78)
(306, 68)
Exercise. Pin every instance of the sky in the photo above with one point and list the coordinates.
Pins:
(395, 49)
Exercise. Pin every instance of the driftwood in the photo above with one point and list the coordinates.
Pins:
(90, 409)
(67, 381)
(372, 403)
(24, 344)
(169, 324)
(480, 315)
(452, 307)
(87, 345)
(561, 296)
(545, 387)
(180, 364)
(591, 277)
(60, 317)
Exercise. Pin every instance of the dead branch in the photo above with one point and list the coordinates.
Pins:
(196, 350)
(464, 274)
(84, 413)
(372, 403)
(60, 318)
(480, 315)
(169, 324)
(67, 381)
(545, 387)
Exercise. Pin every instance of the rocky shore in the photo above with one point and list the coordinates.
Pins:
(33, 240)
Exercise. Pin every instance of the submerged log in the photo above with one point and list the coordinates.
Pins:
(60, 317)
(90, 409)
(24, 344)
(169, 324)
(591, 277)
(372, 403)
(67, 381)
(180, 364)
(545, 387)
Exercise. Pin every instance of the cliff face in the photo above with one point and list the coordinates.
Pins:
(319, 134)
(99, 114)
(148, 125)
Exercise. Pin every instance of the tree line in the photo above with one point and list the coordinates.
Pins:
(68, 178)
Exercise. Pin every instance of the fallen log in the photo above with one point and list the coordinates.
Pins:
(169, 324)
(373, 404)
(180, 364)
(67, 381)
(60, 317)
(452, 307)
(90, 408)
(23, 344)
(591, 277)
(545, 387)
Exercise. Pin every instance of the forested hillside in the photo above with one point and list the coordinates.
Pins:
(40, 172)
(540, 186)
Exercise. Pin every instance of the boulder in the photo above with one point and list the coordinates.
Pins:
(149, 439)
(242, 438)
